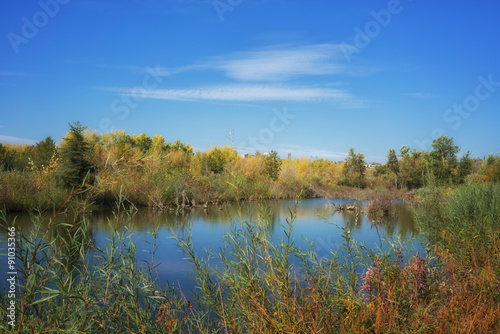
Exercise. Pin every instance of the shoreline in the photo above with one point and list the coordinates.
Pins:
(339, 192)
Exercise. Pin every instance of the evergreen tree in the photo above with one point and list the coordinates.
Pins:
(75, 158)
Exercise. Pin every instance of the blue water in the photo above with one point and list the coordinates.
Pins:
(315, 220)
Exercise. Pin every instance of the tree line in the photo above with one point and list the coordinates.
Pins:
(166, 174)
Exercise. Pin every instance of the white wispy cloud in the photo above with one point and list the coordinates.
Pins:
(246, 93)
(262, 76)
(283, 63)
(16, 140)
(274, 63)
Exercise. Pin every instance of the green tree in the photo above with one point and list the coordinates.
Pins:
(393, 164)
(354, 169)
(273, 165)
(464, 167)
(411, 168)
(75, 158)
(216, 158)
(444, 159)
(43, 152)
(215, 161)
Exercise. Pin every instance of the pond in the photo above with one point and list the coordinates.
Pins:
(316, 220)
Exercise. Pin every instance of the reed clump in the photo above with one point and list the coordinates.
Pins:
(380, 206)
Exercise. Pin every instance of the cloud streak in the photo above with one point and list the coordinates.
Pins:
(281, 64)
(274, 64)
(260, 75)
(247, 93)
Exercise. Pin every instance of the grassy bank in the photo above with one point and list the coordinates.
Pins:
(145, 185)
(153, 172)
(68, 284)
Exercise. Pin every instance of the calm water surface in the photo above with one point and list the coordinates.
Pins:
(315, 221)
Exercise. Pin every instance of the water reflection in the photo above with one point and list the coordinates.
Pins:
(315, 220)
(308, 211)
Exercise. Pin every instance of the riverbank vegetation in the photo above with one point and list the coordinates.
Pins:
(42, 176)
(66, 283)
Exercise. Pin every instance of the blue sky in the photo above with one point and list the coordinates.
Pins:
(312, 78)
